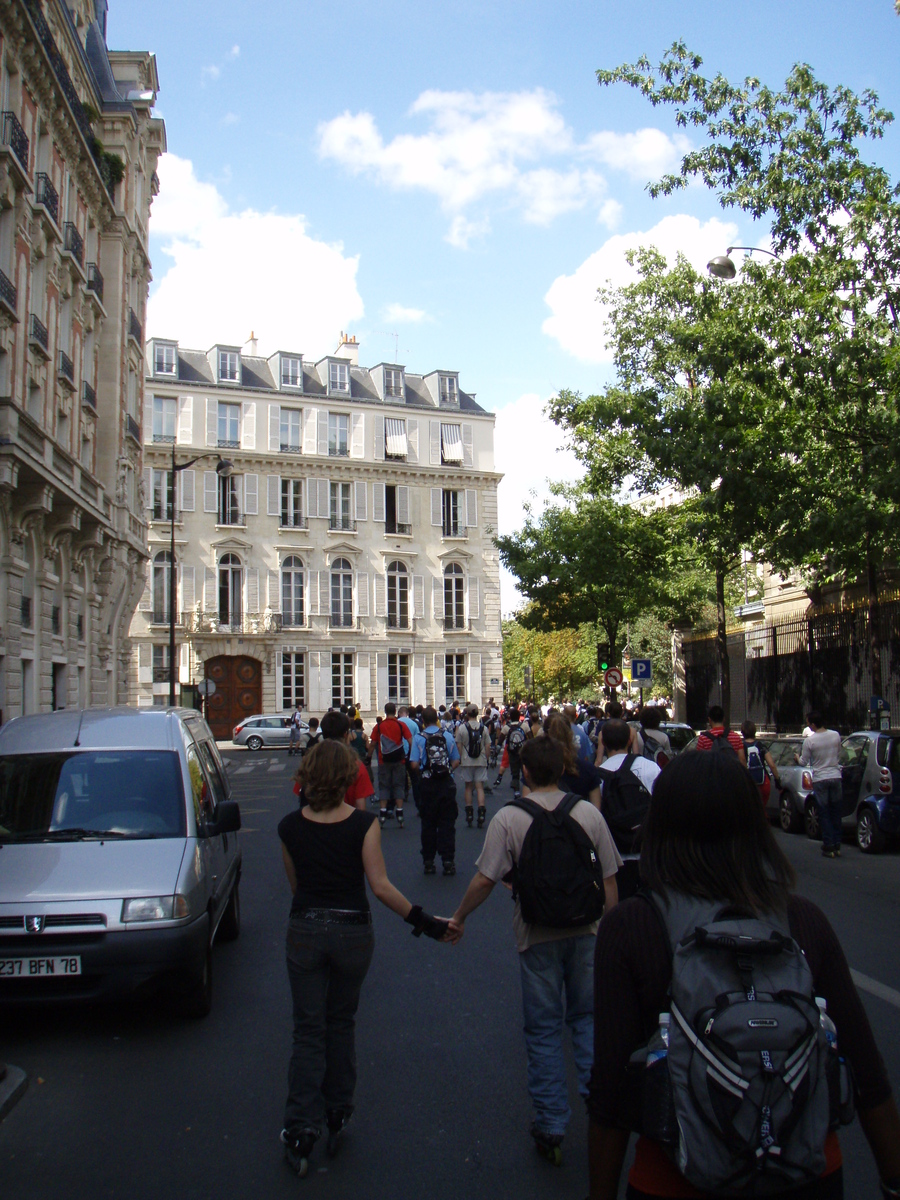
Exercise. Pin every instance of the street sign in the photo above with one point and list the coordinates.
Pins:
(613, 677)
(876, 704)
(641, 671)
(495, 683)
(206, 687)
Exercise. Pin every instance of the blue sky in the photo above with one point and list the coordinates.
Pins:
(450, 173)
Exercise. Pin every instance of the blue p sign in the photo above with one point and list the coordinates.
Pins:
(641, 671)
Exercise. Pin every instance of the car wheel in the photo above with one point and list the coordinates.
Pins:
(811, 821)
(869, 837)
(788, 817)
(230, 925)
(254, 743)
(196, 997)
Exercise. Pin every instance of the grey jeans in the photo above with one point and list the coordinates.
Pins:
(391, 781)
(326, 967)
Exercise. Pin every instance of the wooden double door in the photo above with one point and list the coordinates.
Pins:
(238, 693)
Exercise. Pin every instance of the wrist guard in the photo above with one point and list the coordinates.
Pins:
(422, 922)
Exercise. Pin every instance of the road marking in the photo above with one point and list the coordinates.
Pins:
(243, 770)
(881, 990)
(278, 767)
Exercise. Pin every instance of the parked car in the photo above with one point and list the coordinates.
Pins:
(789, 804)
(275, 730)
(120, 858)
(679, 735)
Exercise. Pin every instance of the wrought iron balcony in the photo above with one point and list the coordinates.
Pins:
(162, 512)
(16, 138)
(397, 527)
(455, 623)
(66, 368)
(343, 523)
(25, 612)
(132, 429)
(341, 621)
(293, 522)
(338, 451)
(291, 618)
(95, 280)
(160, 616)
(88, 396)
(38, 335)
(398, 621)
(135, 329)
(166, 439)
(454, 531)
(161, 674)
(74, 243)
(290, 448)
(45, 193)
(8, 293)
(228, 444)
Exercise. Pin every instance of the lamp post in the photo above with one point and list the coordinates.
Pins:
(223, 470)
(723, 267)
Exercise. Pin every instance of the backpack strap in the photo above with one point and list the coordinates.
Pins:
(526, 805)
(568, 802)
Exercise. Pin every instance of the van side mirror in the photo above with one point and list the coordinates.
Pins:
(228, 819)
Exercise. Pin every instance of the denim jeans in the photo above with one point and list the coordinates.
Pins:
(557, 990)
(829, 794)
(326, 967)
(829, 1187)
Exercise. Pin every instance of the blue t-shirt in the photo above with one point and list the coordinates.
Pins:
(418, 750)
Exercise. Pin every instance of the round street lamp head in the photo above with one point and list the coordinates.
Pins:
(722, 267)
(224, 468)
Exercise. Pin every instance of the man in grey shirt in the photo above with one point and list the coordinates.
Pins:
(821, 752)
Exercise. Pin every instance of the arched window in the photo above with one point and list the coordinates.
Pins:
(454, 597)
(231, 588)
(397, 596)
(341, 593)
(162, 576)
(292, 591)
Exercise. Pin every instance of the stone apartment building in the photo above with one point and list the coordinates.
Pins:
(349, 554)
(78, 152)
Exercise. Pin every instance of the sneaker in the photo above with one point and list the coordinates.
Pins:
(399, 818)
(548, 1145)
(497, 781)
(337, 1120)
(449, 866)
(482, 814)
(430, 868)
(298, 1146)
(382, 817)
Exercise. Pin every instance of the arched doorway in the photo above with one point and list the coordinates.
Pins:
(238, 693)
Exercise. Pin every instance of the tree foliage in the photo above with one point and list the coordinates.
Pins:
(564, 661)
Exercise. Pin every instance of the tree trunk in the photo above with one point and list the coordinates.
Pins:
(873, 614)
(722, 646)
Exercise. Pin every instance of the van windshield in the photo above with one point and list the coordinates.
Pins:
(78, 795)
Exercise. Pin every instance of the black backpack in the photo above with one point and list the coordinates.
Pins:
(624, 805)
(475, 740)
(558, 879)
(721, 744)
(437, 757)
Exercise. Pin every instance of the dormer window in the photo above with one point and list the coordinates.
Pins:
(229, 366)
(291, 372)
(449, 390)
(165, 359)
(393, 381)
(339, 377)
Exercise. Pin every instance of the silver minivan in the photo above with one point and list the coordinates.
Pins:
(119, 856)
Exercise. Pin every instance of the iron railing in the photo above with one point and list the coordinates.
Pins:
(66, 368)
(397, 527)
(340, 621)
(135, 329)
(9, 293)
(454, 531)
(45, 193)
(345, 523)
(288, 448)
(16, 138)
(95, 280)
(37, 333)
(398, 621)
(457, 623)
(74, 243)
(88, 396)
(228, 444)
(132, 428)
(288, 522)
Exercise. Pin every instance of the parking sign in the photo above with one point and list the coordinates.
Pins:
(641, 671)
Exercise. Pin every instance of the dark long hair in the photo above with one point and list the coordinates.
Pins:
(706, 834)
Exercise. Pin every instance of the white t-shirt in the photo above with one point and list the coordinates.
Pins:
(645, 770)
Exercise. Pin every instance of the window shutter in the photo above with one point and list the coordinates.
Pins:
(322, 439)
(363, 682)
(378, 502)
(380, 595)
(210, 491)
(279, 681)
(274, 592)
(440, 681)
(148, 488)
(437, 600)
(474, 678)
(313, 702)
(146, 601)
(147, 427)
(187, 590)
(209, 591)
(379, 438)
(412, 444)
(184, 665)
(251, 495)
(273, 495)
(312, 593)
(381, 681)
(403, 505)
(362, 593)
(471, 508)
(145, 662)
(474, 590)
(187, 491)
(275, 427)
(310, 508)
(322, 497)
(435, 443)
(361, 509)
(185, 434)
(309, 431)
(238, 482)
(418, 679)
(253, 590)
(324, 593)
(248, 425)
(419, 596)
(212, 422)
(357, 435)
(468, 442)
(436, 506)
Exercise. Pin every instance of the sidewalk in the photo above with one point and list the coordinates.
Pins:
(12, 1089)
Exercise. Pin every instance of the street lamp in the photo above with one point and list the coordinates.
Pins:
(223, 470)
(722, 266)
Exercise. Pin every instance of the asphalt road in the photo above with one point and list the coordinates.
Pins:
(132, 1102)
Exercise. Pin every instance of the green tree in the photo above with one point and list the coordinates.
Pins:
(563, 660)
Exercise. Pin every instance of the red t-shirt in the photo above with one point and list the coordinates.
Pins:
(391, 728)
(735, 741)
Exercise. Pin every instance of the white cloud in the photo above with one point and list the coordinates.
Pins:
(577, 317)
(230, 118)
(495, 145)
(214, 70)
(235, 272)
(399, 314)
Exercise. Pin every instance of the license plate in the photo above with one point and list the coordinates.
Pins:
(39, 968)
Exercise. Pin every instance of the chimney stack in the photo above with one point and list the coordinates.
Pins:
(348, 347)
(251, 342)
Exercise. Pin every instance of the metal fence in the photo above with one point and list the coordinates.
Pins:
(780, 671)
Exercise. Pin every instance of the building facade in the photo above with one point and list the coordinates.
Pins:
(78, 154)
(349, 556)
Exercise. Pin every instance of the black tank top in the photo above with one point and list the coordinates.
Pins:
(327, 860)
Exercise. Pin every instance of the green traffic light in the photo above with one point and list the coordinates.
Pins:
(604, 666)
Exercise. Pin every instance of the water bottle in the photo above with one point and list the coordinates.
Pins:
(659, 1121)
(826, 1023)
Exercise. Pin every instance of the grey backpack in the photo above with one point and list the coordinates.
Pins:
(754, 1080)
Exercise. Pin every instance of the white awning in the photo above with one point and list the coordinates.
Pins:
(451, 443)
(395, 437)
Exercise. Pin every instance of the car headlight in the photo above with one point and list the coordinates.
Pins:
(148, 908)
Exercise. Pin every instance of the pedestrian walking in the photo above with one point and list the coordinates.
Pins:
(821, 753)
(711, 864)
(472, 742)
(436, 756)
(393, 742)
(555, 960)
(760, 763)
(717, 737)
(296, 726)
(329, 851)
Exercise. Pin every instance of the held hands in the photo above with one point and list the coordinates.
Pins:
(433, 927)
